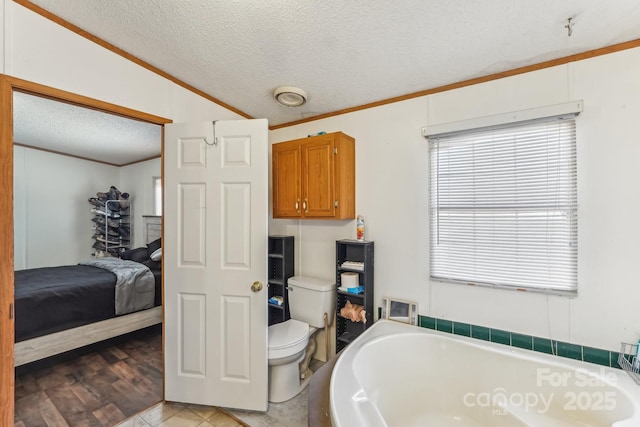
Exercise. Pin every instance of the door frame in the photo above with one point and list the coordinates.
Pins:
(8, 85)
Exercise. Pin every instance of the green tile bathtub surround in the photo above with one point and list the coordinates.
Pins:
(427, 322)
(542, 345)
(596, 355)
(522, 341)
(444, 325)
(480, 332)
(501, 337)
(572, 351)
(463, 329)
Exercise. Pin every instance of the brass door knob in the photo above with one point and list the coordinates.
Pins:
(256, 286)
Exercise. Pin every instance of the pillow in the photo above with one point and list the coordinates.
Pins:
(137, 255)
(156, 255)
(153, 265)
(154, 246)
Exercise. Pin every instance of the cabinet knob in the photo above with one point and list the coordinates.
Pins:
(305, 206)
(298, 205)
(256, 286)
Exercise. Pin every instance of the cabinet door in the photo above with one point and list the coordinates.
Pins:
(318, 186)
(287, 201)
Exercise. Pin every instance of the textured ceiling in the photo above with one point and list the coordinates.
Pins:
(65, 128)
(344, 53)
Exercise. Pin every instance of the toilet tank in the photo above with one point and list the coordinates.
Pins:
(310, 298)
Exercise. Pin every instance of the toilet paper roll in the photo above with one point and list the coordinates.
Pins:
(349, 280)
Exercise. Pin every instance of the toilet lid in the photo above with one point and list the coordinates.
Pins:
(286, 334)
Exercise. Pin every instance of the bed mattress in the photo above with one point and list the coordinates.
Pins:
(53, 299)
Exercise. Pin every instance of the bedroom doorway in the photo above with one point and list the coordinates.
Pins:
(9, 85)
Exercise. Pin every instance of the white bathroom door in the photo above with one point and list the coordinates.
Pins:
(215, 248)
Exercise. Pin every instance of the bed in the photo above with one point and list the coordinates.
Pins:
(58, 309)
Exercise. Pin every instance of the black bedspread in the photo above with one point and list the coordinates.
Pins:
(53, 299)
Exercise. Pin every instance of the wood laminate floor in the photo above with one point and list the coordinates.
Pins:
(99, 385)
(119, 382)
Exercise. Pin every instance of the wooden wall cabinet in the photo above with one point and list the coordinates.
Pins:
(314, 177)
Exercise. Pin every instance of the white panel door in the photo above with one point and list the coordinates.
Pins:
(215, 248)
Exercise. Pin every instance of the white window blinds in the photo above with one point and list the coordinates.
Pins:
(503, 206)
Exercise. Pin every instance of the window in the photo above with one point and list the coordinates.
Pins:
(503, 206)
(157, 195)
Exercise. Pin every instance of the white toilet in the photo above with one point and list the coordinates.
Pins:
(309, 299)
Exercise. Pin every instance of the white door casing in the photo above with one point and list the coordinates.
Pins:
(215, 247)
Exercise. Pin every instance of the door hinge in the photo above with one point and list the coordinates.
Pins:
(335, 203)
(335, 150)
(11, 311)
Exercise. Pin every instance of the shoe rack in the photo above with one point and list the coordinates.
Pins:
(111, 223)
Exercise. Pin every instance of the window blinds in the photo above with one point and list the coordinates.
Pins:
(503, 206)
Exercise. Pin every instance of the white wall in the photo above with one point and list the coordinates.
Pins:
(19, 208)
(51, 210)
(52, 218)
(392, 193)
(2, 38)
(392, 174)
(42, 51)
(137, 180)
(36, 49)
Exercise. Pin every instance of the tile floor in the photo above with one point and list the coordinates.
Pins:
(171, 414)
(292, 413)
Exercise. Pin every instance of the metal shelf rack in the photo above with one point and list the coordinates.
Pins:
(628, 362)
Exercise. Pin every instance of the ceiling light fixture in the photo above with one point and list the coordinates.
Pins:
(290, 96)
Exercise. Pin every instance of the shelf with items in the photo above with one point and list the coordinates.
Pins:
(355, 258)
(111, 222)
(280, 265)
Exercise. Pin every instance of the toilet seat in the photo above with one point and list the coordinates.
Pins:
(287, 338)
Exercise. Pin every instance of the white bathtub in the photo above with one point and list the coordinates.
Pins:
(400, 375)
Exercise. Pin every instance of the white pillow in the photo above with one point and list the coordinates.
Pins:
(156, 255)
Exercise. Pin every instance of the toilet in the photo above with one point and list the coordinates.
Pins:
(291, 343)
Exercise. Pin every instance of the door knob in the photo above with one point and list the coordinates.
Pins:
(256, 286)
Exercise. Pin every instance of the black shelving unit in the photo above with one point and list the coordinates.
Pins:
(359, 252)
(281, 267)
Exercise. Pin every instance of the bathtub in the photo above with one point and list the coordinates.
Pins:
(400, 375)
